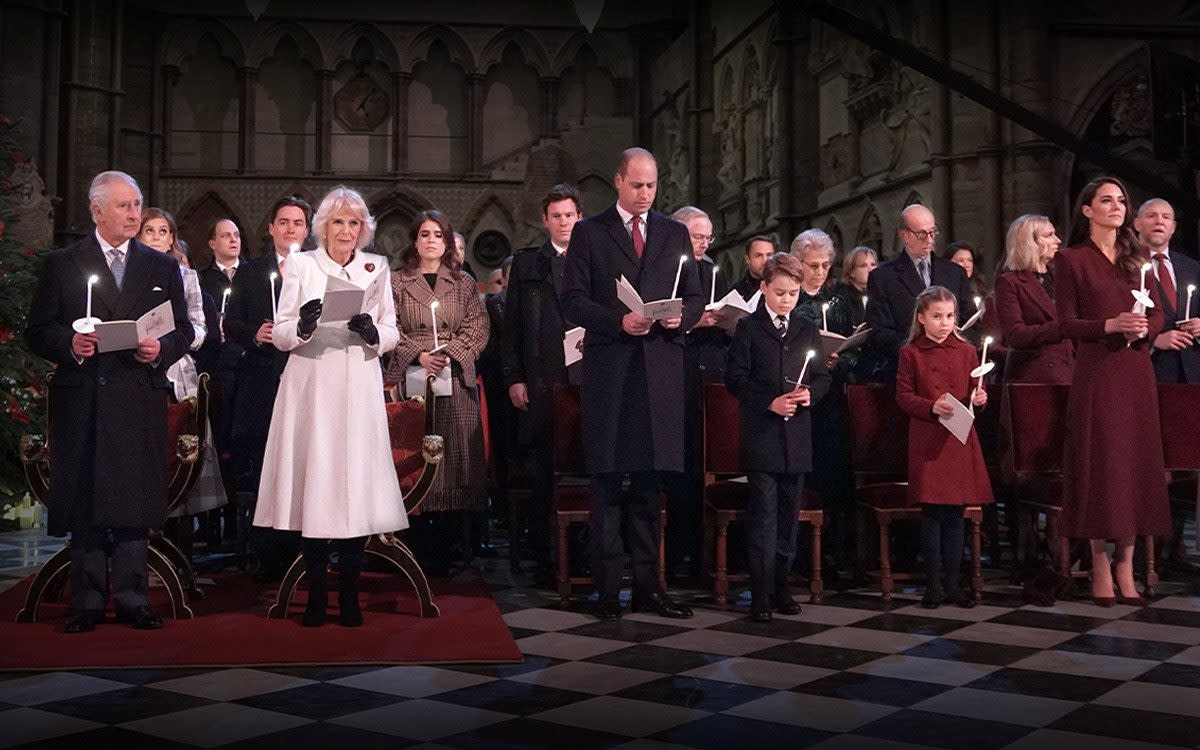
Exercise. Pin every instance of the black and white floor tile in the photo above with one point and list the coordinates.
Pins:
(844, 675)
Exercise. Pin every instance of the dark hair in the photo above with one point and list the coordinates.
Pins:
(561, 192)
(1129, 250)
(292, 200)
(782, 264)
(926, 298)
(954, 247)
(978, 280)
(410, 259)
(761, 238)
(506, 264)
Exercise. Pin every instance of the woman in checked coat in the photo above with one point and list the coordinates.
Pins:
(429, 272)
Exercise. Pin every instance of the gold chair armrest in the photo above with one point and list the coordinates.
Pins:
(187, 449)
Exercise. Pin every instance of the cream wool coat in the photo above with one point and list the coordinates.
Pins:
(328, 469)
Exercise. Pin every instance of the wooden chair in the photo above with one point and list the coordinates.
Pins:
(1178, 409)
(1036, 421)
(725, 499)
(879, 458)
(187, 422)
(573, 492)
(416, 454)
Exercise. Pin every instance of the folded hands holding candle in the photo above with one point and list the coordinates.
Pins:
(786, 404)
(1133, 325)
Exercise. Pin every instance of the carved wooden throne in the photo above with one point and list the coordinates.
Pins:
(416, 452)
(187, 423)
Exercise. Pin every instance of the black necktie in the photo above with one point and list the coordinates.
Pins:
(781, 324)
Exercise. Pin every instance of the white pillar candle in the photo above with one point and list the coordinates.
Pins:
(274, 299)
(824, 316)
(225, 299)
(864, 303)
(433, 306)
(91, 282)
(1187, 307)
(712, 294)
(1145, 270)
(807, 358)
(678, 273)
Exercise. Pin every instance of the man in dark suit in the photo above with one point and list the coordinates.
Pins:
(759, 249)
(249, 320)
(532, 356)
(220, 357)
(892, 291)
(499, 412)
(632, 396)
(1176, 356)
(108, 411)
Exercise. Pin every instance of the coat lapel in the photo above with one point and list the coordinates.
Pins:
(909, 277)
(1034, 288)
(616, 230)
(91, 262)
(136, 279)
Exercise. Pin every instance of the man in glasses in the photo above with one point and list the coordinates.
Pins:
(892, 289)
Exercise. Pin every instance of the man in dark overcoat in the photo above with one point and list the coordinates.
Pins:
(633, 382)
(892, 291)
(108, 411)
(248, 324)
(532, 354)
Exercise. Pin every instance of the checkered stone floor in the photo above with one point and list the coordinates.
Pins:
(848, 674)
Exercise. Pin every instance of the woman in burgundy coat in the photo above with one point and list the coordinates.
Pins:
(1114, 485)
(1038, 352)
(944, 475)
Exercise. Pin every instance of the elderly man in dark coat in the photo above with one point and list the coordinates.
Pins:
(633, 383)
(108, 411)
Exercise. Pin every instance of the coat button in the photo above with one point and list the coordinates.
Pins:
(103, 381)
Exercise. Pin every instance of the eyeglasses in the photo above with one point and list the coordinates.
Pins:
(923, 235)
(706, 239)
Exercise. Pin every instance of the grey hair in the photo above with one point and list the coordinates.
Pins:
(816, 239)
(337, 199)
(687, 213)
(99, 192)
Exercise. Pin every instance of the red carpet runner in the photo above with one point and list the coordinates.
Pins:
(231, 629)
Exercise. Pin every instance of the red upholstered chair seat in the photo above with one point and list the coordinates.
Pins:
(406, 428)
(572, 498)
(1179, 414)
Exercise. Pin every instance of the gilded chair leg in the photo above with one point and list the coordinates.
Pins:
(165, 570)
(176, 556)
(976, 564)
(721, 583)
(52, 569)
(885, 560)
(562, 574)
(287, 589)
(816, 584)
(388, 547)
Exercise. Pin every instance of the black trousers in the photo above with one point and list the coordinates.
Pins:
(535, 516)
(771, 529)
(91, 577)
(625, 522)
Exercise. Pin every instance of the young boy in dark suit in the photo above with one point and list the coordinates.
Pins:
(768, 354)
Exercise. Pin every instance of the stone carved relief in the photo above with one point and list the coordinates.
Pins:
(835, 160)
(674, 183)
(908, 119)
(1131, 107)
(730, 173)
(32, 210)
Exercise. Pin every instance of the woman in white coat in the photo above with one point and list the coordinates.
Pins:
(328, 470)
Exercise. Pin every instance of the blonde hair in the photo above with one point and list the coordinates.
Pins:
(337, 199)
(1022, 249)
(924, 300)
(851, 259)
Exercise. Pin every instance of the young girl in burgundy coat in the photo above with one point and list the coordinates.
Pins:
(944, 475)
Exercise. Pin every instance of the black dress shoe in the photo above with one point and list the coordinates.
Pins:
(142, 618)
(786, 605)
(932, 599)
(960, 598)
(608, 611)
(760, 609)
(663, 606)
(83, 621)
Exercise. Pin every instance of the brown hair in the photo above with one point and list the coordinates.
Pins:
(1129, 250)
(175, 251)
(410, 259)
(924, 300)
(562, 192)
(292, 200)
(782, 264)
(761, 238)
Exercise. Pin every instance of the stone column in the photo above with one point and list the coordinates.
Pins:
(324, 121)
(548, 119)
(246, 116)
(400, 84)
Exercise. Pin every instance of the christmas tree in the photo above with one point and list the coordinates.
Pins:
(22, 375)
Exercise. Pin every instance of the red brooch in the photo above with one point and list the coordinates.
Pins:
(370, 267)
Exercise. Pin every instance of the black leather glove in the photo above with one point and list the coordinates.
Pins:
(310, 313)
(365, 327)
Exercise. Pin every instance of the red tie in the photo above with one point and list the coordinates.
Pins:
(1164, 278)
(639, 242)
